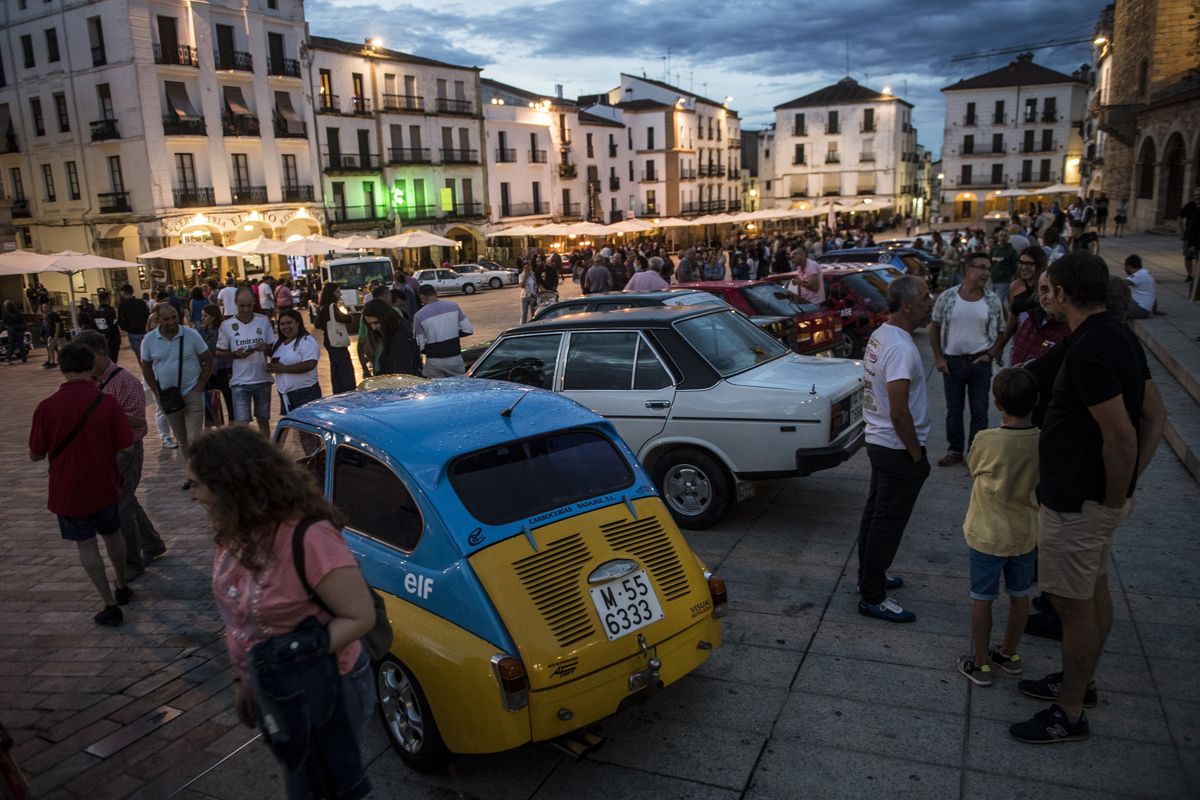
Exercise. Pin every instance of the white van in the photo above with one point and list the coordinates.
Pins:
(355, 275)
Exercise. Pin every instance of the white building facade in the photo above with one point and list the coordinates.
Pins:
(176, 121)
(1016, 127)
(844, 144)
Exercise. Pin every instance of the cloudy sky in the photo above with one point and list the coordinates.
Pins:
(762, 52)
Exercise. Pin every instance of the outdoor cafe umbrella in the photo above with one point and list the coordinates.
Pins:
(192, 251)
(512, 230)
(258, 246)
(631, 226)
(69, 262)
(315, 245)
(359, 242)
(590, 229)
(1058, 188)
(415, 239)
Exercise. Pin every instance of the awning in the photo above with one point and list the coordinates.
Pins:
(178, 101)
(235, 102)
(283, 107)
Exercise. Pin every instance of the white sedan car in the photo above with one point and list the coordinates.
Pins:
(707, 400)
(494, 278)
(447, 281)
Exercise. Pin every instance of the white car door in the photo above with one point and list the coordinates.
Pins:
(449, 281)
(617, 374)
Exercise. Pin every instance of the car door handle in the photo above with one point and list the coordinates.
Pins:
(658, 404)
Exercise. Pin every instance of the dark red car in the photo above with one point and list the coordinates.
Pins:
(818, 330)
(857, 292)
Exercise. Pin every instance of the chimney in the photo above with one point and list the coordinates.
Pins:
(558, 89)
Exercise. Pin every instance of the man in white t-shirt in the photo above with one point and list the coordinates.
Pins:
(966, 338)
(266, 298)
(227, 297)
(896, 413)
(246, 338)
(1142, 289)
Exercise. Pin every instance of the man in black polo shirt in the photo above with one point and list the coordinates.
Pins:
(1103, 423)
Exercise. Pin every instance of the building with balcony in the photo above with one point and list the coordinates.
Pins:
(163, 121)
(846, 144)
(685, 149)
(1016, 127)
(401, 141)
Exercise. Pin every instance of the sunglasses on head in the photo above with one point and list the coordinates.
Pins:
(1027, 261)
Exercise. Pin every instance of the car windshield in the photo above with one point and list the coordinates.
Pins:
(565, 466)
(729, 342)
(359, 273)
(770, 299)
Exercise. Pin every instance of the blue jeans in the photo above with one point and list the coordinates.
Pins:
(135, 344)
(260, 393)
(966, 382)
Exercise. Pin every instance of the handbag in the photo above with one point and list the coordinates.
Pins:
(170, 398)
(336, 332)
(378, 640)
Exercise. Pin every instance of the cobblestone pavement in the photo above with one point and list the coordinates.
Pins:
(805, 699)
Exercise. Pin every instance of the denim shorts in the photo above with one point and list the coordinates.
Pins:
(260, 393)
(80, 529)
(986, 569)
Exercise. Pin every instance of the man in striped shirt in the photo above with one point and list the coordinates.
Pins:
(438, 327)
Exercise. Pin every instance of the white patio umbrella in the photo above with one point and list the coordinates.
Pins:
(69, 262)
(512, 230)
(590, 229)
(258, 246)
(359, 242)
(1013, 193)
(192, 251)
(314, 245)
(414, 239)
(631, 226)
(673, 222)
(551, 229)
(1058, 188)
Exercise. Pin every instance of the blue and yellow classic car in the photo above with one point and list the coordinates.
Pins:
(533, 577)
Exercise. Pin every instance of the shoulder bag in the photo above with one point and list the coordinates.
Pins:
(170, 398)
(335, 330)
(378, 640)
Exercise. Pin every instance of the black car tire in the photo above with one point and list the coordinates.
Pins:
(403, 711)
(694, 486)
(468, 288)
(848, 344)
(859, 345)
(496, 283)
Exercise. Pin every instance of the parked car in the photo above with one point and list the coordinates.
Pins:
(779, 326)
(494, 278)
(817, 331)
(447, 281)
(858, 294)
(706, 399)
(905, 259)
(519, 616)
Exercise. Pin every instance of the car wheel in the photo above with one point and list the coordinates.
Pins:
(859, 345)
(468, 288)
(406, 717)
(845, 348)
(496, 283)
(695, 487)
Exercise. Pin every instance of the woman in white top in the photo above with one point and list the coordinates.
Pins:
(294, 361)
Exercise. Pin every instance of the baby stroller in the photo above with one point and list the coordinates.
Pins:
(544, 298)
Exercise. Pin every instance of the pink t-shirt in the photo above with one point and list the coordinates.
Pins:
(272, 602)
(283, 296)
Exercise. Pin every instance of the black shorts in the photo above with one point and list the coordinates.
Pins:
(80, 529)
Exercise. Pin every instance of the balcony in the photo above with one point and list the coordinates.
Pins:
(360, 106)
(687, 174)
(403, 102)
(466, 210)
(240, 125)
(411, 215)
(447, 106)
(20, 208)
(978, 181)
(799, 161)
(717, 172)
(614, 183)
(328, 104)
(1028, 178)
(113, 203)
(1040, 147)
(506, 155)
(564, 139)
(999, 119)
(1120, 122)
(833, 130)
(800, 131)
(248, 195)
(1029, 116)
(866, 191)
(652, 177)
(103, 129)
(571, 210)
(174, 126)
(1050, 116)
(800, 193)
(183, 56)
(833, 158)
(649, 210)
(567, 171)
(735, 173)
(350, 162)
(408, 155)
(195, 197)
(867, 157)
(866, 127)
(297, 193)
(525, 209)
(283, 131)
(283, 67)
(537, 156)
(451, 155)
(689, 207)
(233, 61)
(970, 121)
(612, 151)
(355, 214)
(735, 143)
(831, 193)
(99, 57)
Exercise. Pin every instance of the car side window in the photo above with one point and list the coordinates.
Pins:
(307, 449)
(375, 500)
(600, 361)
(425, 275)
(446, 275)
(560, 312)
(522, 359)
(649, 373)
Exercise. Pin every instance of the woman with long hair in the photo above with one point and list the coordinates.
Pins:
(392, 337)
(293, 362)
(335, 320)
(210, 326)
(256, 497)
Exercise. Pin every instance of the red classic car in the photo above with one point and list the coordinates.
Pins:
(857, 292)
(818, 330)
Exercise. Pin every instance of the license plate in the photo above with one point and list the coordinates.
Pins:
(745, 490)
(626, 604)
(856, 401)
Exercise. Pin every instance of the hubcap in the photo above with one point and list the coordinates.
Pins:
(687, 489)
(401, 712)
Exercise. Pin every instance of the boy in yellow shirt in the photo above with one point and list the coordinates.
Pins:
(1001, 524)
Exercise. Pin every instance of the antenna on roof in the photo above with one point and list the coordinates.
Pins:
(668, 69)
(847, 55)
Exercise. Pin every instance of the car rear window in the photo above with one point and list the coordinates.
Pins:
(871, 286)
(729, 342)
(565, 466)
(770, 300)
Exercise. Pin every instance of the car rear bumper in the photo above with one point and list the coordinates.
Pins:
(810, 461)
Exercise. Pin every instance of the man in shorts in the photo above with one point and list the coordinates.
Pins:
(82, 430)
(1102, 425)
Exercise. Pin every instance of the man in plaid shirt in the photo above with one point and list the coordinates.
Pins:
(142, 542)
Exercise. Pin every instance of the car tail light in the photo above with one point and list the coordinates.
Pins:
(514, 682)
(720, 599)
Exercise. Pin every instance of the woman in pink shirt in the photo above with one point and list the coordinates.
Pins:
(255, 496)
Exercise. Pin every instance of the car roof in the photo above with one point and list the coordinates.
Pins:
(423, 427)
(643, 316)
(657, 294)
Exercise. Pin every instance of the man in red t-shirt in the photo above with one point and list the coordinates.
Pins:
(82, 430)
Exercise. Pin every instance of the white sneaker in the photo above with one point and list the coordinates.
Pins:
(170, 444)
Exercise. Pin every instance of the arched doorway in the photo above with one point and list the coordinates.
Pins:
(1174, 156)
(469, 241)
(1146, 169)
(964, 205)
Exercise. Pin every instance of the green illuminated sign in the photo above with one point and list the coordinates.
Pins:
(398, 198)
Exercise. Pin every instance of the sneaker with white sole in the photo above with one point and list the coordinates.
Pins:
(887, 610)
(980, 676)
(170, 444)
(1010, 664)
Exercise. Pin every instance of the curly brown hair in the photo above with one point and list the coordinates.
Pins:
(259, 487)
